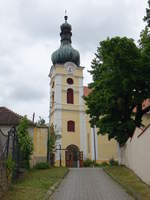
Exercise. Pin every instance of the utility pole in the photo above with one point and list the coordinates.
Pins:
(94, 143)
(60, 155)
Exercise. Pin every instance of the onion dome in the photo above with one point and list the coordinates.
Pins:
(66, 53)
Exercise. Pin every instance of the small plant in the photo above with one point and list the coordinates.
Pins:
(104, 164)
(113, 162)
(97, 165)
(10, 165)
(88, 163)
(25, 140)
(42, 165)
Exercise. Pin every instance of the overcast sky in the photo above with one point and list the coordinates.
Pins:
(29, 33)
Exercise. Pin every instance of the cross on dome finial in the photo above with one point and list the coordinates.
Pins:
(66, 17)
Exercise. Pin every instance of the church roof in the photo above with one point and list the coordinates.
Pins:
(86, 91)
(66, 53)
(145, 104)
(10, 118)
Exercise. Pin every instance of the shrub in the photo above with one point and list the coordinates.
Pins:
(10, 165)
(25, 141)
(97, 164)
(88, 163)
(42, 165)
(113, 162)
(104, 164)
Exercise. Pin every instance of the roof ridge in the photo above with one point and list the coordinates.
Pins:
(6, 113)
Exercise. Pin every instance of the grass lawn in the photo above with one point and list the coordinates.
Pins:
(130, 182)
(35, 184)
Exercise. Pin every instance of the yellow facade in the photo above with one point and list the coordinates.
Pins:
(61, 113)
(40, 137)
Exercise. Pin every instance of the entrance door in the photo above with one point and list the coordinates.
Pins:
(72, 156)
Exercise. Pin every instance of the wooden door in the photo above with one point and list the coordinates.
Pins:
(81, 159)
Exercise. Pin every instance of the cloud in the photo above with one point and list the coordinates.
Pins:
(27, 93)
(29, 34)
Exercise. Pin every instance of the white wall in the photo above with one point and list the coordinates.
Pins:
(136, 154)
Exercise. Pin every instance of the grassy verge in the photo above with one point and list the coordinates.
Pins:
(34, 184)
(128, 179)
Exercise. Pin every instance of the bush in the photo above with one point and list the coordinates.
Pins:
(42, 165)
(88, 163)
(113, 162)
(97, 164)
(104, 164)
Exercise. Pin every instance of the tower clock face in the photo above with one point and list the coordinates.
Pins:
(70, 67)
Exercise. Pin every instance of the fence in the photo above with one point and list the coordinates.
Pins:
(8, 147)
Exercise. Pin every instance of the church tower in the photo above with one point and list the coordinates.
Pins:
(67, 111)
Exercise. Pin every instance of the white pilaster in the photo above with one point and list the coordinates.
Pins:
(58, 112)
(83, 130)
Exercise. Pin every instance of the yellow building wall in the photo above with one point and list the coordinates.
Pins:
(106, 149)
(70, 137)
(70, 112)
(40, 137)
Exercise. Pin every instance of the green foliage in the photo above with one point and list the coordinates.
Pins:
(52, 139)
(35, 184)
(88, 163)
(113, 162)
(10, 165)
(120, 83)
(42, 165)
(104, 164)
(147, 17)
(41, 121)
(24, 139)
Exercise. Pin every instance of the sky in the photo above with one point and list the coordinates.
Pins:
(29, 34)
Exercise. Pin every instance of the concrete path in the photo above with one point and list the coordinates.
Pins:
(89, 184)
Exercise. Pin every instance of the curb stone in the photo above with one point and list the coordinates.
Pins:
(54, 187)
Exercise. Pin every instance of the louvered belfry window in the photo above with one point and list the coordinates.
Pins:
(71, 126)
(70, 96)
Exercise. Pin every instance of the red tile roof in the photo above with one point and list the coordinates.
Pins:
(145, 104)
(10, 118)
(86, 91)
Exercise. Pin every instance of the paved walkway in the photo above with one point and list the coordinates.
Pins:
(89, 184)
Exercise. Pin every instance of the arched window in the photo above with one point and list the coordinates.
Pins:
(71, 126)
(70, 96)
(70, 81)
(52, 99)
(53, 84)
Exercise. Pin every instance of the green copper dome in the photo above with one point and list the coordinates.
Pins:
(66, 53)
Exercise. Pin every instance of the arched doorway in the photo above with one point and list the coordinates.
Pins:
(72, 156)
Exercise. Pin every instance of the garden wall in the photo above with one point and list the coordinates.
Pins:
(136, 154)
(40, 137)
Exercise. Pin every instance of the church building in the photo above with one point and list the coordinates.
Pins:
(68, 111)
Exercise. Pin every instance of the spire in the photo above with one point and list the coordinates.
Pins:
(66, 53)
(65, 17)
(65, 33)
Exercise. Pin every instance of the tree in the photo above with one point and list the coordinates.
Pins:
(52, 138)
(118, 86)
(41, 121)
(147, 17)
(24, 140)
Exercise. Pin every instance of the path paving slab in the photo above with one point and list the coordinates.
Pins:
(89, 184)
